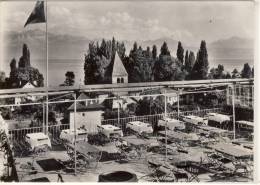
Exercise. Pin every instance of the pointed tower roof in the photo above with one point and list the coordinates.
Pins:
(83, 96)
(118, 67)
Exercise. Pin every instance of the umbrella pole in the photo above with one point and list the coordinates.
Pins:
(118, 113)
(178, 105)
(43, 118)
(233, 106)
(165, 114)
(75, 136)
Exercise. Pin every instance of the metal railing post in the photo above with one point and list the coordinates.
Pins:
(233, 106)
(118, 113)
(75, 135)
(165, 114)
(43, 119)
(178, 105)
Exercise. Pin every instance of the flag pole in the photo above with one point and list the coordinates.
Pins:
(47, 69)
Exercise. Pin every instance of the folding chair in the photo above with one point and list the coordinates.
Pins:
(180, 175)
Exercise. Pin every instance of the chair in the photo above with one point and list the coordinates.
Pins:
(158, 172)
(179, 175)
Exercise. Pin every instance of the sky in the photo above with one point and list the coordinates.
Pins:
(189, 22)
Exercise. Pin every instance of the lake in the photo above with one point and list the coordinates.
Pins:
(58, 68)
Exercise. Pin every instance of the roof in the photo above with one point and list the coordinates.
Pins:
(24, 84)
(81, 107)
(83, 96)
(118, 67)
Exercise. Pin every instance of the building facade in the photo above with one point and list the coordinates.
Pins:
(89, 114)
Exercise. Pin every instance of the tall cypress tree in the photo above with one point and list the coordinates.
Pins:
(191, 60)
(186, 61)
(164, 49)
(188, 64)
(154, 52)
(180, 52)
(201, 66)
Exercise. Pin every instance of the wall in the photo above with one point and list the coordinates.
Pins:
(114, 79)
(90, 119)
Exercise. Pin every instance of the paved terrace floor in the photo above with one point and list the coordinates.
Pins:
(139, 167)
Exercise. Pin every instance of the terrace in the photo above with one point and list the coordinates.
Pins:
(197, 152)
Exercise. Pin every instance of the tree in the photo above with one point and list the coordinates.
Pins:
(38, 116)
(188, 64)
(164, 49)
(97, 65)
(246, 71)
(217, 73)
(102, 48)
(191, 60)
(113, 46)
(186, 61)
(13, 76)
(121, 50)
(228, 75)
(200, 68)
(235, 73)
(70, 78)
(24, 72)
(2, 79)
(2, 76)
(148, 52)
(180, 52)
(212, 73)
(135, 46)
(147, 106)
(167, 68)
(139, 65)
(154, 52)
(220, 72)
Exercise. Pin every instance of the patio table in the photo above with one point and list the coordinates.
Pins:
(84, 148)
(38, 139)
(232, 150)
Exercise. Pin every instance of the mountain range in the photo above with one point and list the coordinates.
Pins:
(74, 47)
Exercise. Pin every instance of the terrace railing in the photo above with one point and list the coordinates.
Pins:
(153, 119)
(54, 130)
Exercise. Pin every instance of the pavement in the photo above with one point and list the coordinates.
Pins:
(138, 166)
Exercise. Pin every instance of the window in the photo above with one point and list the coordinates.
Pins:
(122, 80)
(83, 114)
(118, 80)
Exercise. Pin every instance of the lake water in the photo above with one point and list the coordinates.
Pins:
(58, 68)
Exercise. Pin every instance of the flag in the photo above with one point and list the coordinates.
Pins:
(37, 15)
